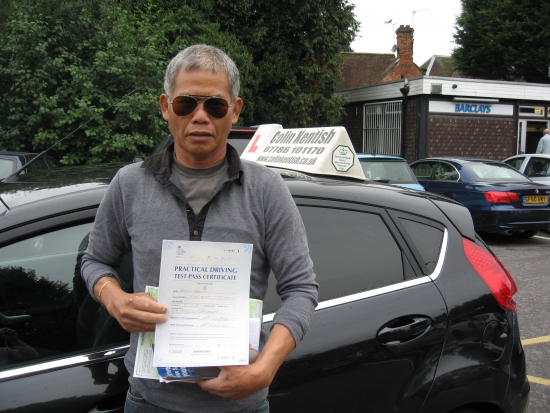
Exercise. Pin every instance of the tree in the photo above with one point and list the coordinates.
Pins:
(503, 40)
(64, 62)
(61, 67)
(297, 47)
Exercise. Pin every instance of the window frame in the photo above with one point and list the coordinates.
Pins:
(412, 256)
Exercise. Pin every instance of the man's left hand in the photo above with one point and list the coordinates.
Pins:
(239, 382)
(236, 382)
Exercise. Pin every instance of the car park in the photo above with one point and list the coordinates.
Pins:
(499, 198)
(11, 161)
(415, 313)
(535, 166)
(389, 169)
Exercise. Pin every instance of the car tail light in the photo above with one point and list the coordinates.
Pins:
(493, 274)
(498, 197)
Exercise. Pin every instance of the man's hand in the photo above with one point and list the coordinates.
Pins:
(239, 382)
(236, 382)
(134, 312)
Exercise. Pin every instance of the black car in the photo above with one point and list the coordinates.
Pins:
(11, 161)
(500, 198)
(415, 313)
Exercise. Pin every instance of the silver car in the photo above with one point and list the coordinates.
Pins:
(535, 166)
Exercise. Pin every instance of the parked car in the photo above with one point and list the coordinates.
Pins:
(239, 137)
(499, 198)
(11, 161)
(415, 313)
(535, 166)
(388, 169)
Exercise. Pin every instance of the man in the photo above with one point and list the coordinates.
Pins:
(199, 189)
(544, 143)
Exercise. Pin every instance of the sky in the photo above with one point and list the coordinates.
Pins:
(433, 22)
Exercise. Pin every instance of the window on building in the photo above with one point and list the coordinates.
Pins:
(382, 128)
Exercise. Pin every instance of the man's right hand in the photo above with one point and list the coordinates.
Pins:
(135, 312)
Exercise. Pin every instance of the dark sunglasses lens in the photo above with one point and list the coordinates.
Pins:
(184, 106)
(216, 107)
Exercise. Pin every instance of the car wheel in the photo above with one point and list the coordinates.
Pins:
(528, 233)
(465, 409)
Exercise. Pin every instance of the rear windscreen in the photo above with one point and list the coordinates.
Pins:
(483, 171)
(390, 172)
(7, 167)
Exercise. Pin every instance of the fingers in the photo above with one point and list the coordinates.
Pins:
(233, 382)
(138, 312)
(144, 302)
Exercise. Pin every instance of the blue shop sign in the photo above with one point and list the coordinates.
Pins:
(472, 108)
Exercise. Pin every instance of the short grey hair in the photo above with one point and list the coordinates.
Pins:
(546, 132)
(202, 56)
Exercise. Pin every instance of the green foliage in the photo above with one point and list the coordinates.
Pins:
(296, 46)
(64, 63)
(503, 40)
(55, 76)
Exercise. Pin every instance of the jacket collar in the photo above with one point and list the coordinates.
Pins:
(160, 164)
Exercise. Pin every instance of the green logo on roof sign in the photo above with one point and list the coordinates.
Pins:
(343, 158)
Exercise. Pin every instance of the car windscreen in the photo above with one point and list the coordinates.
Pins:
(7, 167)
(393, 172)
(239, 143)
(493, 172)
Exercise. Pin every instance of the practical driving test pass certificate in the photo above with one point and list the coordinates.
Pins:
(205, 287)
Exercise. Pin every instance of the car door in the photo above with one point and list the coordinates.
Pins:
(377, 333)
(61, 350)
(517, 162)
(537, 169)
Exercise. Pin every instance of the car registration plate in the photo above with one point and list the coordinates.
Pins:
(536, 199)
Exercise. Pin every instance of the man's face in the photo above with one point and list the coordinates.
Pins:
(200, 139)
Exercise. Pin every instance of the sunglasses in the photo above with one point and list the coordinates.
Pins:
(186, 104)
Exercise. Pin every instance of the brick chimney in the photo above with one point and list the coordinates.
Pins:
(405, 44)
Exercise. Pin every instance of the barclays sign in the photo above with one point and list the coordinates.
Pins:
(472, 108)
(484, 109)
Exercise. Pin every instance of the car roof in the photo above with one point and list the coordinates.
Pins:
(54, 184)
(243, 129)
(521, 155)
(459, 160)
(17, 153)
(378, 156)
(61, 190)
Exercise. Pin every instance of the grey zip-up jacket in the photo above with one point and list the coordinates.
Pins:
(145, 204)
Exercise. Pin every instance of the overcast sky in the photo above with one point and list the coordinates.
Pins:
(433, 22)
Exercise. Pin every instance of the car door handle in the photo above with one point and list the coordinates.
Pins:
(403, 329)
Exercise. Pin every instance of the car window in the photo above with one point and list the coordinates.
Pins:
(40, 164)
(52, 163)
(424, 170)
(516, 162)
(538, 167)
(489, 171)
(427, 239)
(239, 143)
(351, 251)
(394, 172)
(7, 167)
(444, 172)
(45, 309)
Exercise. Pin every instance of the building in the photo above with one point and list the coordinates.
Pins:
(417, 112)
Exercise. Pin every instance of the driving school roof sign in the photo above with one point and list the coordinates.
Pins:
(326, 151)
